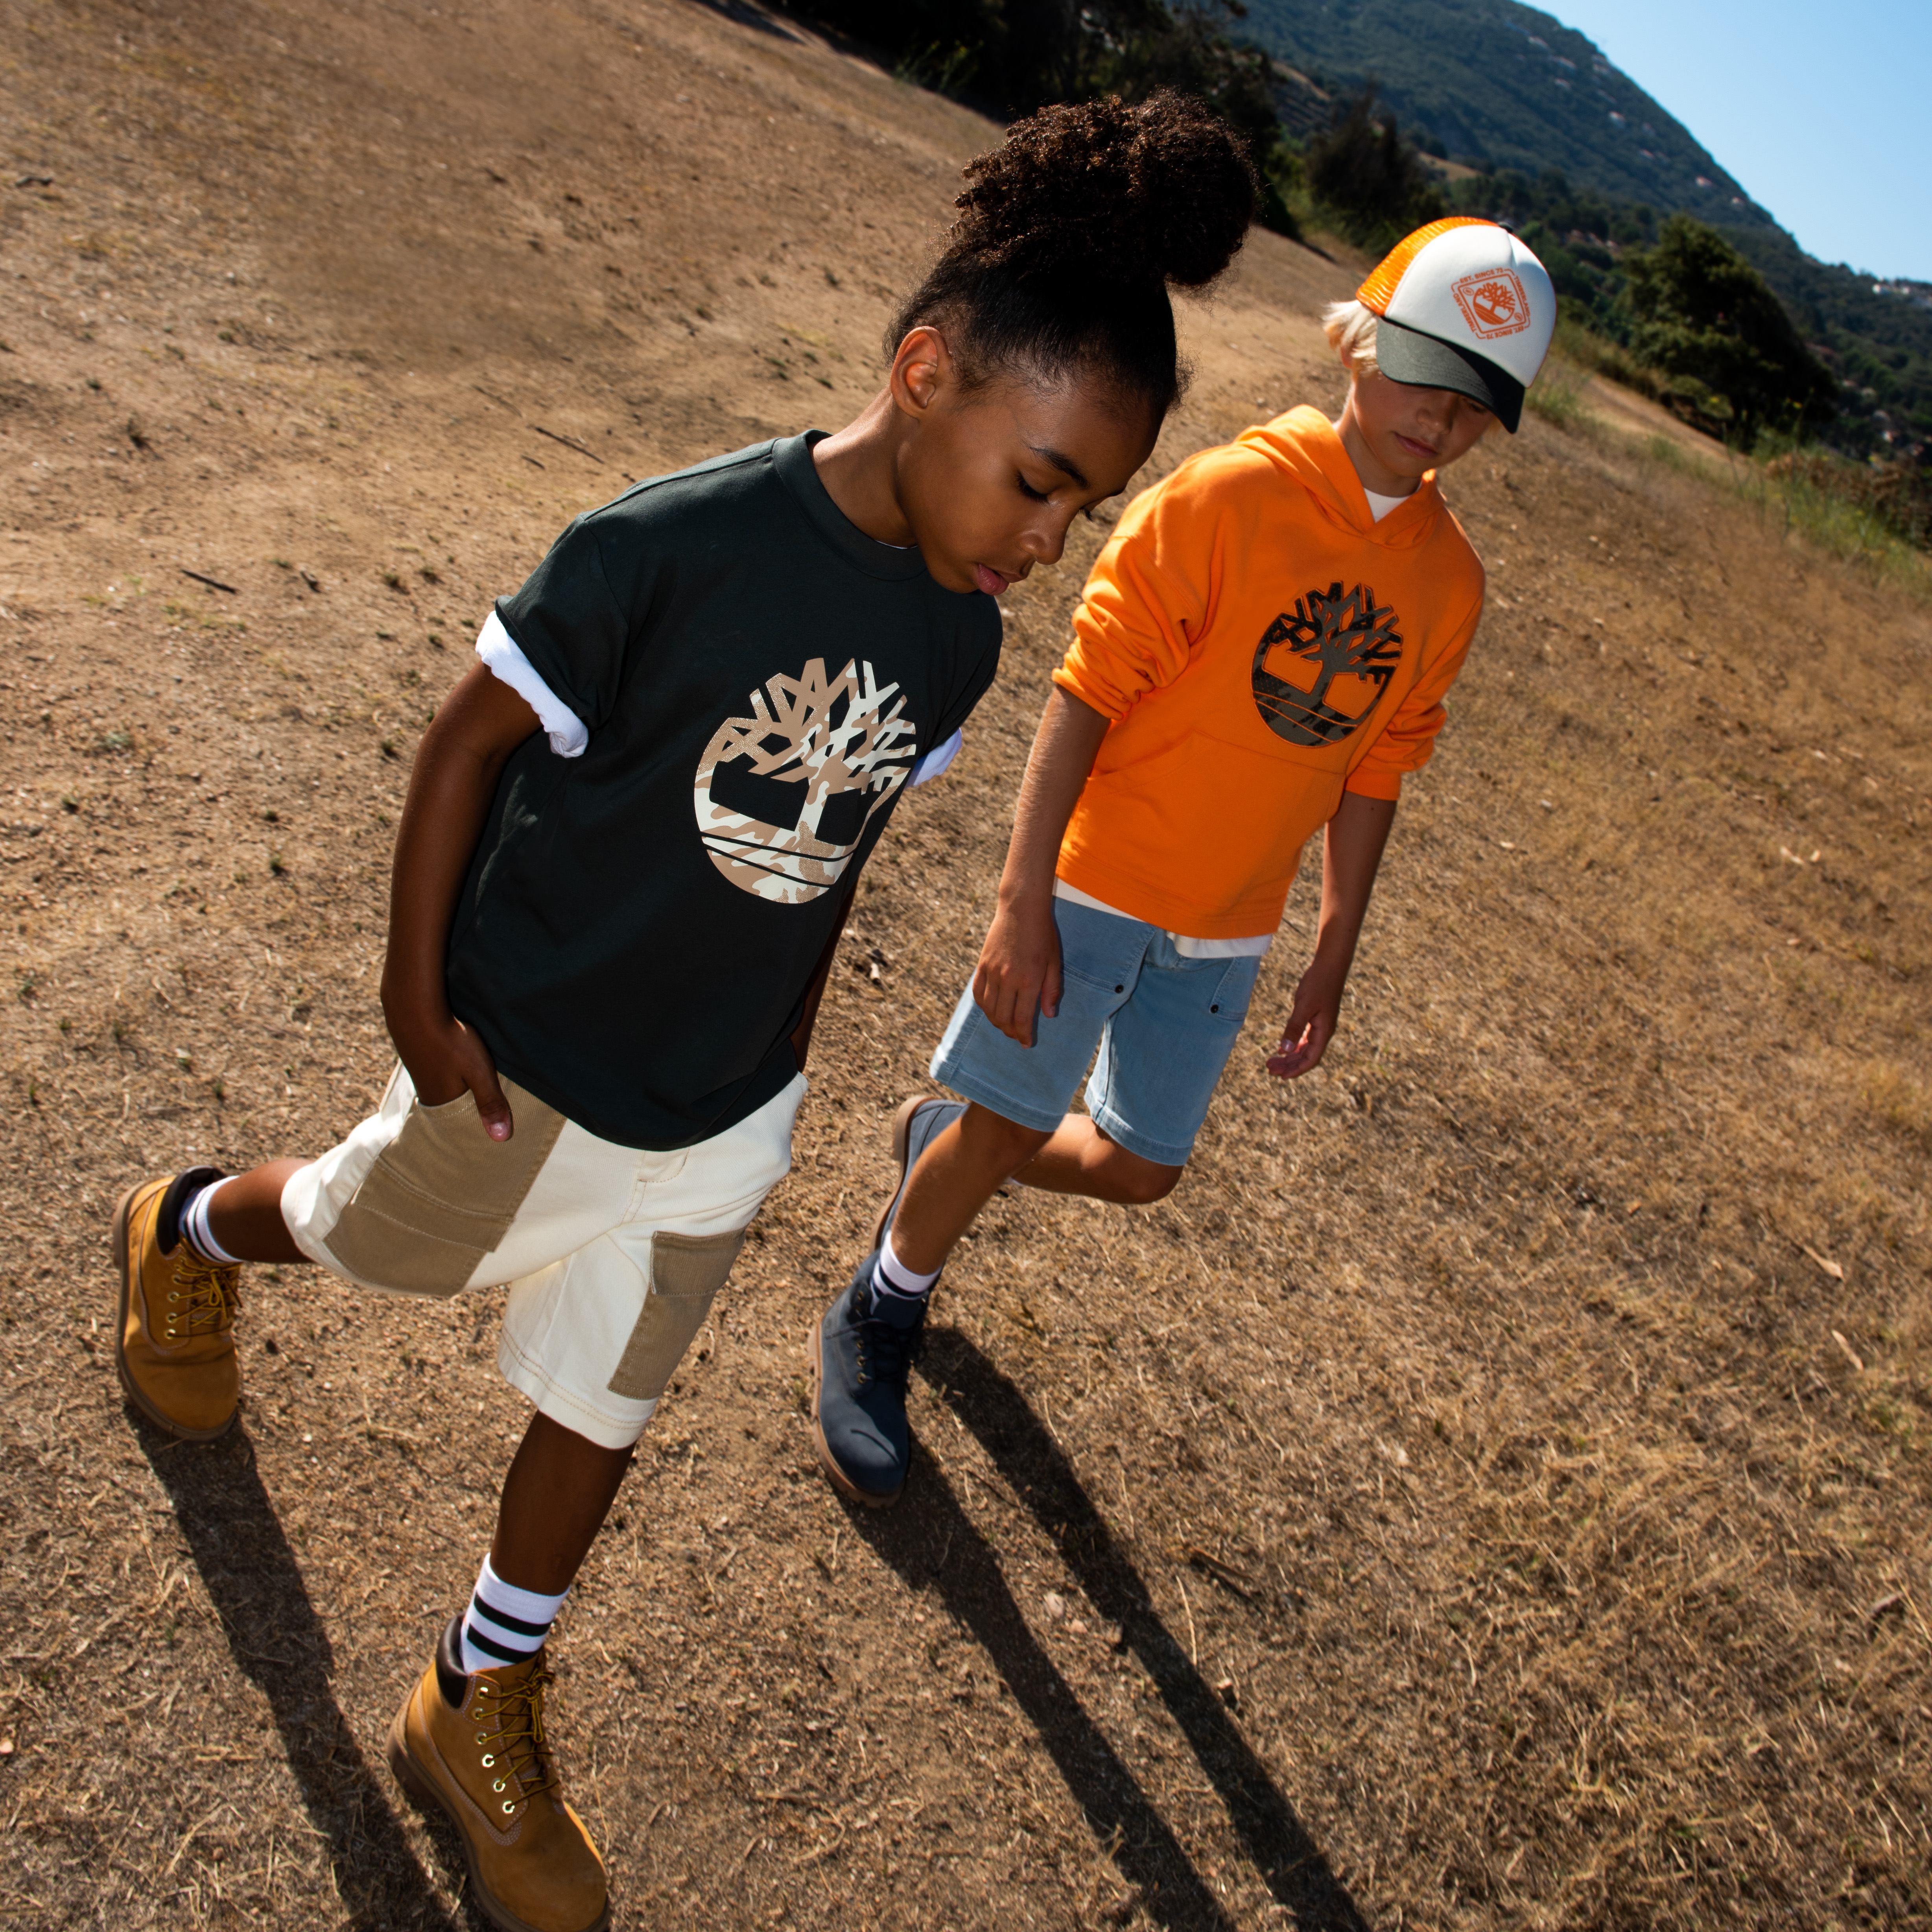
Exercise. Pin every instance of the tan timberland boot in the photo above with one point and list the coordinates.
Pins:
(471, 1744)
(174, 1335)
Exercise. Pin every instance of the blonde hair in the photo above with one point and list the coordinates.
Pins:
(1350, 330)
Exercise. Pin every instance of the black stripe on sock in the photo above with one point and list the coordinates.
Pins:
(517, 1625)
(489, 1645)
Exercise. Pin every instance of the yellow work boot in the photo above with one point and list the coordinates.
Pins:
(471, 1744)
(174, 1334)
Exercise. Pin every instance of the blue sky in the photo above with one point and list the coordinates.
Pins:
(1821, 111)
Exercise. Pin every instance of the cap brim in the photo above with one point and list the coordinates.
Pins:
(1406, 356)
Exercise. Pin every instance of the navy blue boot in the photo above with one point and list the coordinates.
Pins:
(862, 1353)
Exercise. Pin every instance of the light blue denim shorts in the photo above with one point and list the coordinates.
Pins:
(1164, 1025)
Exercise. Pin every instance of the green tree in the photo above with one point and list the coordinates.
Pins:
(1700, 312)
(1013, 56)
(1370, 174)
(1016, 56)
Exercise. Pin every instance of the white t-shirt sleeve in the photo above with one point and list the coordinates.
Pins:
(937, 760)
(568, 734)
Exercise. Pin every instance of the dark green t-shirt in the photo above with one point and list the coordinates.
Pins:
(639, 924)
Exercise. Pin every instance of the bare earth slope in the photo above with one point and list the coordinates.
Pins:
(1492, 1491)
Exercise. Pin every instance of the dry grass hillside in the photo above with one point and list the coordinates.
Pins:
(1494, 1490)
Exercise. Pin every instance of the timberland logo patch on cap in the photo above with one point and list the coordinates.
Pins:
(1493, 303)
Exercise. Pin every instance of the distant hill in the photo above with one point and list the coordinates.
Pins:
(1500, 86)
(1510, 90)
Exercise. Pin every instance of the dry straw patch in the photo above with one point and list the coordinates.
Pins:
(1493, 1491)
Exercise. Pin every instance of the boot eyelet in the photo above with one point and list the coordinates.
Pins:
(482, 1737)
(489, 1761)
(498, 1786)
(508, 1808)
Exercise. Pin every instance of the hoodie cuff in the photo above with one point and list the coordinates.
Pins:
(1366, 783)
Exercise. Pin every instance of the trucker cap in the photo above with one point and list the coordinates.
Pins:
(1463, 305)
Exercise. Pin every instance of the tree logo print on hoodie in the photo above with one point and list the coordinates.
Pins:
(1329, 635)
(783, 796)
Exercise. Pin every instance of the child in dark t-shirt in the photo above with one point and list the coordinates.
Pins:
(631, 840)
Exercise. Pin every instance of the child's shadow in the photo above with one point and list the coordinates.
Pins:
(928, 1535)
(277, 1641)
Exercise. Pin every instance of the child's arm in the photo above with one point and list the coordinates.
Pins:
(458, 763)
(1019, 964)
(1351, 852)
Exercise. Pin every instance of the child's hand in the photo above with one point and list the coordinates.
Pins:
(446, 1060)
(1018, 973)
(1318, 1007)
(460, 758)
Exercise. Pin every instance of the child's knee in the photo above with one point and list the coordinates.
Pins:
(1004, 1141)
(1144, 1182)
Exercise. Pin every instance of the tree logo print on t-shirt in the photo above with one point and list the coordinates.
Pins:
(783, 796)
(1329, 636)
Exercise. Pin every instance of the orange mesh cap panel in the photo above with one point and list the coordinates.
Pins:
(1378, 291)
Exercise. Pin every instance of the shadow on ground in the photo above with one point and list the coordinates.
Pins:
(278, 1642)
(1026, 1453)
(933, 1538)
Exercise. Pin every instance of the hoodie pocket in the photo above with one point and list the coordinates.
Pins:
(1206, 820)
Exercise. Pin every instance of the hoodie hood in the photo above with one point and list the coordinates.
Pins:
(1305, 444)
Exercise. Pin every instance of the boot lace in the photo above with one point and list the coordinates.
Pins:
(203, 1297)
(510, 1727)
(885, 1353)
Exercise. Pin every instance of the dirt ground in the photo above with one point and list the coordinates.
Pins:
(1492, 1491)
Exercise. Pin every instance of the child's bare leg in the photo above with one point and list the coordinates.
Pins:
(560, 1490)
(245, 1215)
(967, 1164)
(1081, 1159)
(969, 1161)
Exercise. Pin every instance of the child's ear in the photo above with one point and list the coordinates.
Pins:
(921, 371)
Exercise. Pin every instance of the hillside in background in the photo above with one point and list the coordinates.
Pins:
(1512, 92)
(1498, 85)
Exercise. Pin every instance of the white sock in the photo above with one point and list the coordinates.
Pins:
(504, 1624)
(200, 1236)
(890, 1276)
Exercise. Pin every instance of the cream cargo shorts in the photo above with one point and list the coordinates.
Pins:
(613, 1255)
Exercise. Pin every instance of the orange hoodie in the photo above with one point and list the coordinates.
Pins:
(1262, 645)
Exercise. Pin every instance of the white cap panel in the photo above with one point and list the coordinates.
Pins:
(1476, 286)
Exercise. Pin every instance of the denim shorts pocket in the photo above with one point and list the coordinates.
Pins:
(1102, 951)
(1234, 989)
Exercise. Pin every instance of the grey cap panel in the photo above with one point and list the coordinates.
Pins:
(1406, 356)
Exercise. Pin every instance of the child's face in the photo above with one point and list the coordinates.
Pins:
(1407, 429)
(994, 476)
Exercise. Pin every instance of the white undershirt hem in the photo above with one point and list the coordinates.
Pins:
(568, 734)
(1189, 949)
(937, 760)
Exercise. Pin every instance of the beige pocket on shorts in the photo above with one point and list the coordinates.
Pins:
(442, 1194)
(687, 1271)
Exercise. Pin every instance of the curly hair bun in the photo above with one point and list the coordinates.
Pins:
(1159, 193)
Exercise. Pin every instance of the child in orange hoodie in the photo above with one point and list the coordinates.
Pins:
(1263, 648)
